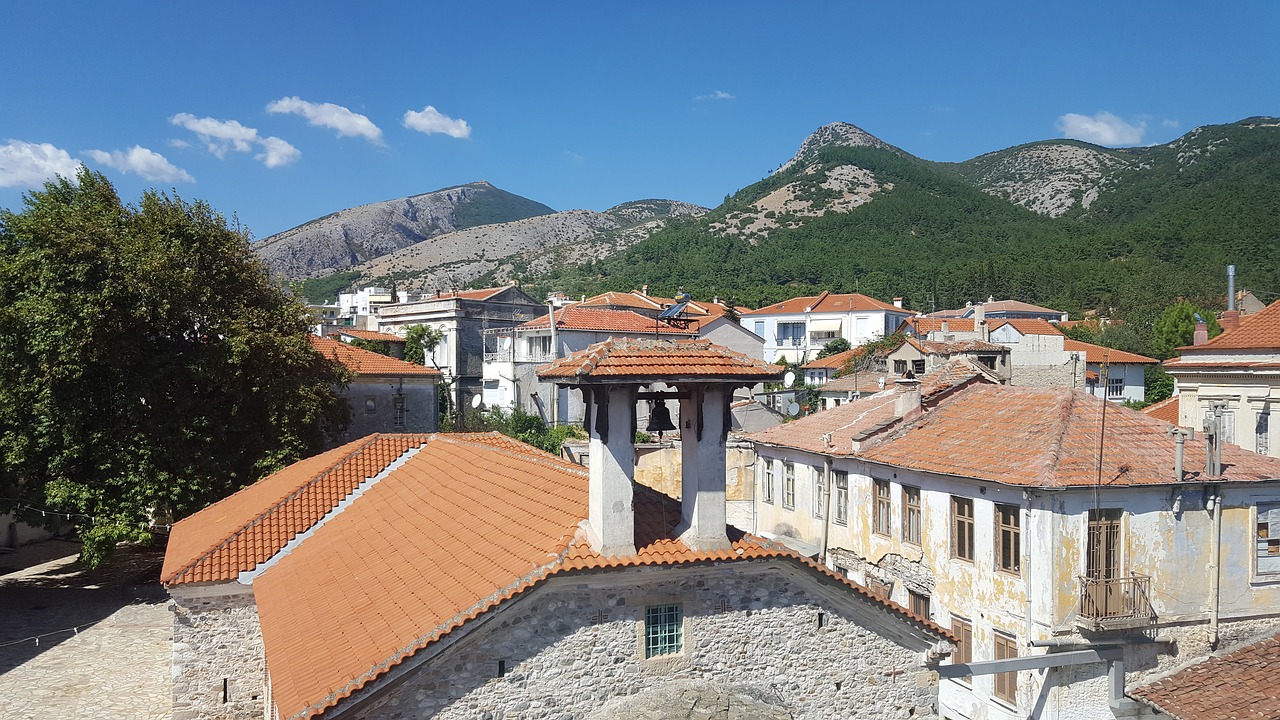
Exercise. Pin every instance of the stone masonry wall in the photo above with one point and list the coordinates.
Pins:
(571, 646)
(217, 644)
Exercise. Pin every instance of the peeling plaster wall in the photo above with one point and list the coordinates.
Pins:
(572, 645)
(1174, 549)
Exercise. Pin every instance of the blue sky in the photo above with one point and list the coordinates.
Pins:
(280, 112)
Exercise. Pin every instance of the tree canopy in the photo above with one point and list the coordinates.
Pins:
(148, 364)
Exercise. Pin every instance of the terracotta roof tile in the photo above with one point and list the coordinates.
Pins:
(1026, 326)
(369, 335)
(1241, 685)
(1095, 353)
(862, 382)
(600, 319)
(833, 361)
(465, 524)
(646, 359)
(364, 362)
(1259, 331)
(937, 347)
(925, 325)
(999, 306)
(235, 534)
(1048, 437)
(827, 303)
(1166, 410)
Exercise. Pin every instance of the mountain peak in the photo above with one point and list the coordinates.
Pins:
(836, 134)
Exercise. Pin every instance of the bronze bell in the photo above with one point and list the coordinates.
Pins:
(659, 418)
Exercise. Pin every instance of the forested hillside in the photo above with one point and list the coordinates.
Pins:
(1160, 223)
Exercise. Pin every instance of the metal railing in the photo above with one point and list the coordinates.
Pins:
(522, 356)
(1116, 602)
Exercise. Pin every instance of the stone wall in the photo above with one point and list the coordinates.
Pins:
(372, 401)
(570, 647)
(219, 669)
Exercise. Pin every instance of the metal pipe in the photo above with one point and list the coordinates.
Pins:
(1066, 645)
(555, 354)
(826, 516)
(1231, 287)
(1179, 442)
(1215, 569)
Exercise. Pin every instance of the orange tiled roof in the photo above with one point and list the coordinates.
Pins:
(1048, 437)
(600, 319)
(937, 347)
(468, 522)
(364, 362)
(826, 303)
(954, 373)
(925, 325)
(998, 306)
(1259, 331)
(235, 534)
(832, 362)
(1095, 353)
(1242, 685)
(1166, 410)
(619, 359)
(862, 382)
(370, 335)
(1027, 326)
(622, 299)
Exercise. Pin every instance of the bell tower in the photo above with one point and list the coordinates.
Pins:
(701, 376)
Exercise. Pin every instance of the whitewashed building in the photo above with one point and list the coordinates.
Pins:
(798, 328)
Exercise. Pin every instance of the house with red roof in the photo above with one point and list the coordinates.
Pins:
(1235, 376)
(385, 394)
(1075, 547)
(512, 355)
(1003, 309)
(917, 357)
(470, 575)
(798, 328)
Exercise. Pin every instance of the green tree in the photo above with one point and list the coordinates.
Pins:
(418, 340)
(148, 364)
(1175, 328)
(376, 346)
(835, 347)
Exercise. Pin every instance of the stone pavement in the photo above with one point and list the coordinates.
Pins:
(105, 646)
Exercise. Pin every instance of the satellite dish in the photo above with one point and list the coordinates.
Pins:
(789, 378)
(793, 409)
(476, 400)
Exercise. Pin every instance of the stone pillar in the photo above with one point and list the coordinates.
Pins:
(611, 419)
(703, 429)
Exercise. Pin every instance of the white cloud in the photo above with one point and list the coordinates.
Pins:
(335, 117)
(432, 121)
(1103, 128)
(220, 136)
(180, 144)
(717, 95)
(24, 164)
(139, 160)
(277, 152)
(1171, 124)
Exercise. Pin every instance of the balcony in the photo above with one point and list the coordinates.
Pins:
(1115, 603)
(538, 356)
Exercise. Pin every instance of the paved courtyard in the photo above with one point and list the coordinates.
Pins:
(104, 650)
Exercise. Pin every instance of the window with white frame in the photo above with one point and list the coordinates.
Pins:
(663, 630)
(819, 495)
(841, 480)
(1008, 538)
(766, 480)
(911, 514)
(791, 333)
(1267, 554)
(880, 518)
(1115, 386)
(789, 485)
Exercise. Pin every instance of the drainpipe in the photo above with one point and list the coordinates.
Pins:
(1026, 564)
(555, 353)
(1215, 507)
(826, 513)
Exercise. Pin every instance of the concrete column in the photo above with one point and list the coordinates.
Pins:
(704, 465)
(610, 514)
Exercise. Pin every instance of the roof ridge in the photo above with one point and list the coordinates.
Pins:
(1053, 454)
(270, 509)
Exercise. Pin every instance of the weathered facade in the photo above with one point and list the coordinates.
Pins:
(384, 394)
(992, 515)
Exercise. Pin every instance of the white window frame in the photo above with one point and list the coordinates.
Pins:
(766, 480)
(789, 485)
(819, 494)
(840, 479)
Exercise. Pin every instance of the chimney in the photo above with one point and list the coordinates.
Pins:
(1230, 320)
(897, 302)
(1231, 287)
(644, 289)
(1201, 335)
(907, 405)
(946, 327)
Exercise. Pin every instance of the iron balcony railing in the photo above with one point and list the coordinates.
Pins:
(1113, 603)
(521, 356)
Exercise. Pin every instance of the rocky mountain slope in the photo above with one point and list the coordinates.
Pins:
(349, 237)
(1049, 177)
(497, 252)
